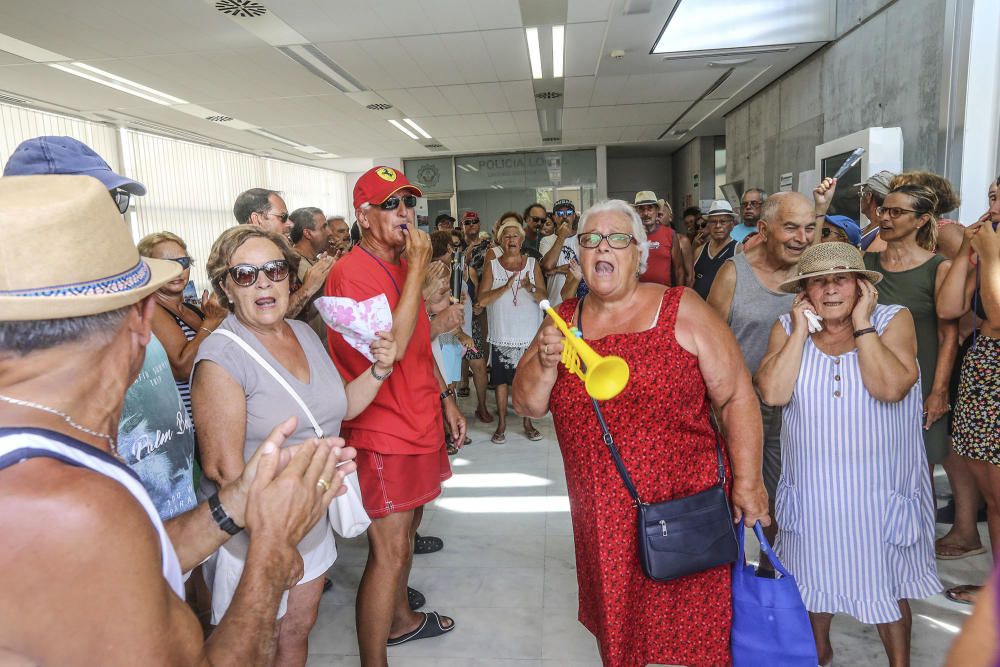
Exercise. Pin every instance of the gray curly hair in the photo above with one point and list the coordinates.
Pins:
(627, 211)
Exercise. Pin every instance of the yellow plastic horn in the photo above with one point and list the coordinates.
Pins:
(603, 377)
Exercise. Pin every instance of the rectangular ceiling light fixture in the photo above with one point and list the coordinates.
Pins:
(322, 66)
(534, 52)
(746, 24)
(275, 137)
(402, 128)
(85, 71)
(416, 127)
(558, 37)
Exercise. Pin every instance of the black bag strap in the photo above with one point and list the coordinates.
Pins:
(610, 441)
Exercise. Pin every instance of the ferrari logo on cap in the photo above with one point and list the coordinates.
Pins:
(387, 174)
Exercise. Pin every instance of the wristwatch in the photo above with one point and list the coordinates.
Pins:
(446, 393)
(378, 377)
(225, 522)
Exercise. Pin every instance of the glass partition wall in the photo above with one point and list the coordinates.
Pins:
(492, 184)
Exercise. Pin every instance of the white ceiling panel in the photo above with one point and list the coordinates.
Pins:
(583, 48)
(432, 100)
(520, 95)
(609, 90)
(578, 90)
(407, 103)
(496, 14)
(578, 11)
(526, 121)
(460, 98)
(508, 50)
(429, 54)
(503, 123)
(490, 96)
(470, 57)
(368, 71)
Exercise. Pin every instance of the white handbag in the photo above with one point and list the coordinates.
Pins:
(347, 513)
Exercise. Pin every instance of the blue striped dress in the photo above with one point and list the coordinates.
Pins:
(854, 501)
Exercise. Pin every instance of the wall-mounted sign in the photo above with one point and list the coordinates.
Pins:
(432, 176)
(526, 170)
(785, 182)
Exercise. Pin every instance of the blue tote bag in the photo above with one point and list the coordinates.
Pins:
(770, 623)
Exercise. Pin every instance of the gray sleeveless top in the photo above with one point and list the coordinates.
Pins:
(754, 311)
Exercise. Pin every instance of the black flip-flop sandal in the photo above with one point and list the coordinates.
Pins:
(427, 545)
(415, 598)
(431, 627)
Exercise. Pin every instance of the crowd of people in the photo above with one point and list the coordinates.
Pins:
(204, 439)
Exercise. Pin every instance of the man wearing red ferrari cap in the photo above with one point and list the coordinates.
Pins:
(401, 454)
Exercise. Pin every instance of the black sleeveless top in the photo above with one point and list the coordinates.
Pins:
(707, 266)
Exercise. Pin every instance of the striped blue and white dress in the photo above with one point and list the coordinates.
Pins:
(854, 502)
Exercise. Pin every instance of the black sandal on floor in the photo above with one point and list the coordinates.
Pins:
(427, 545)
(415, 598)
(431, 627)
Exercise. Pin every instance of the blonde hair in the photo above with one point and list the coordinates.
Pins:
(150, 241)
(226, 246)
(924, 200)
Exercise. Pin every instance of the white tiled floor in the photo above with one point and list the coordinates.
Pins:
(507, 574)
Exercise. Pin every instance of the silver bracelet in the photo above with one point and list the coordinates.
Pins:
(378, 377)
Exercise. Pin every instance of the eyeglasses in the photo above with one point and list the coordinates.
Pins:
(751, 204)
(185, 262)
(471, 222)
(121, 199)
(617, 240)
(563, 212)
(392, 203)
(894, 212)
(245, 275)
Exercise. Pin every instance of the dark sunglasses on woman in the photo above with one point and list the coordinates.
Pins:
(185, 262)
(392, 203)
(245, 275)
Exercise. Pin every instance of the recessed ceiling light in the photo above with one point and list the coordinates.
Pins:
(558, 36)
(534, 52)
(85, 71)
(402, 128)
(416, 127)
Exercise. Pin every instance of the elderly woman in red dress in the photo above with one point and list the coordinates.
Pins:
(684, 362)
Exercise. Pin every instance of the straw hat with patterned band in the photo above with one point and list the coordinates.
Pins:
(826, 258)
(378, 184)
(90, 264)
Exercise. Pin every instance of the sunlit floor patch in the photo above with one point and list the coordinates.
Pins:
(495, 480)
(504, 504)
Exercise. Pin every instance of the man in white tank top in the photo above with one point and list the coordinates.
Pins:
(89, 572)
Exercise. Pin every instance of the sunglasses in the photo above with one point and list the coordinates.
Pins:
(121, 199)
(535, 218)
(751, 204)
(283, 217)
(471, 222)
(245, 275)
(617, 240)
(392, 203)
(185, 262)
(565, 212)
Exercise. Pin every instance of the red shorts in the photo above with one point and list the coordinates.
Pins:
(400, 482)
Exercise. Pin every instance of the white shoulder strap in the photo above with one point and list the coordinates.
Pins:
(277, 376)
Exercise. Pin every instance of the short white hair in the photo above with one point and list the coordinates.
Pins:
(627, 211)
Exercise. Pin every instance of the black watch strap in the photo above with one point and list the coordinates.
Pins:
(862, 332)
(446, 393)
(219, 514)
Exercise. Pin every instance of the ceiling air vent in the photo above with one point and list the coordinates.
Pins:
(241, 8)
(7, 99)
(219, 119)
(434, 147)
(552, 140)
(548, 95)
(378, 107)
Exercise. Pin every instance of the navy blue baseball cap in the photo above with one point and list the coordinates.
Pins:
(848, 226)
(66, 155)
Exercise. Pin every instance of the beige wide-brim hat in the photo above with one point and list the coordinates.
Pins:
(67, 252)
(827, 258)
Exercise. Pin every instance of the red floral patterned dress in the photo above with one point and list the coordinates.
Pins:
(661, 427)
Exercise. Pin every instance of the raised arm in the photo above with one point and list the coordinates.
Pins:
(888, 363)
(986, 243)
(954, 294)
(700, 331)
(779, 370)
(552, 256)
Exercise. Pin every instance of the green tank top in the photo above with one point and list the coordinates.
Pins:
(914, 289)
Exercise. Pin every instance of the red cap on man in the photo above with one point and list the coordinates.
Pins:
(378, 184)
(470, 217)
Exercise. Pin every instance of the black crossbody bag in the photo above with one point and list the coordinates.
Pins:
(681, 536)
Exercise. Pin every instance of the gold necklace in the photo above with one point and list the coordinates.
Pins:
(66, 418)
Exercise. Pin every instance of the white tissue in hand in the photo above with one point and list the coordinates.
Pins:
(814, 321)
(357, 321)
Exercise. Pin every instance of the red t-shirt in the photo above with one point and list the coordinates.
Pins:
(405, 417)
(658, 266)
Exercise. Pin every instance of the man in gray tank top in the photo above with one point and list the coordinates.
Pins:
(745, 293)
